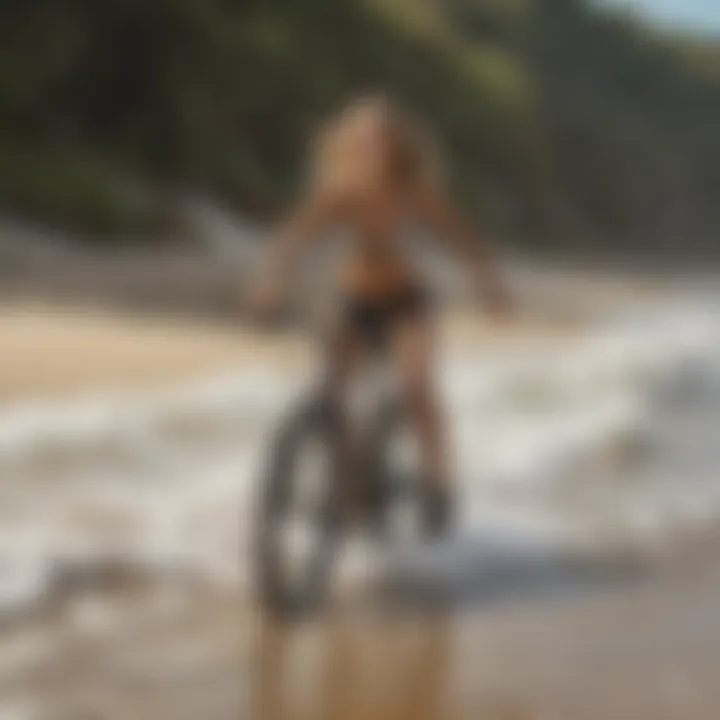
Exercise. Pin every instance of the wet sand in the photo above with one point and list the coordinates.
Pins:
(645, 650)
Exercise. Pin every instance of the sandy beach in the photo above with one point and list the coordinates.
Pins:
(640, 642)
(60, 350)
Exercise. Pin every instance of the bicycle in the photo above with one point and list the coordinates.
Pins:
(358, 483)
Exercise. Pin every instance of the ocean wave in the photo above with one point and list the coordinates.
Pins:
(579, 438)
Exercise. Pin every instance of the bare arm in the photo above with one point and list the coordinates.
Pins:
(304, 227)
(438, 214)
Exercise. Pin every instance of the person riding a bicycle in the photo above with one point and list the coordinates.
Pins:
(376, 172)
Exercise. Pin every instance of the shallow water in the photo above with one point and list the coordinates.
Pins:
(599, 443)
(124, 559)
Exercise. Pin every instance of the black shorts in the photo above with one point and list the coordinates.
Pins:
(374, 319)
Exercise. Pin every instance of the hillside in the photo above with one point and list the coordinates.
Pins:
(566, 126)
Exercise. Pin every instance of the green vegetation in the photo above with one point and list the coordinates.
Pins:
(565, 126)
(72, 190)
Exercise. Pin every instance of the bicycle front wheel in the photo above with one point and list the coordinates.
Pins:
(300, 515)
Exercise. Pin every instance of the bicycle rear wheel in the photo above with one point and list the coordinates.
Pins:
(398, 473)
(300, 515)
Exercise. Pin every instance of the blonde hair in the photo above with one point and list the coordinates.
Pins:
(413, 157)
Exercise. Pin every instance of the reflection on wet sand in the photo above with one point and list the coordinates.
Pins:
(351, 668)
(167, 650)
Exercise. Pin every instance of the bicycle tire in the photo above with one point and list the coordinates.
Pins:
(312, 421)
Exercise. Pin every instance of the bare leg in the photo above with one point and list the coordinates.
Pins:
(343, 353)
(414, 346)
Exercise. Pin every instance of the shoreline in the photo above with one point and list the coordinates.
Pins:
(60, 351)
(642, 650)
(165, 644)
